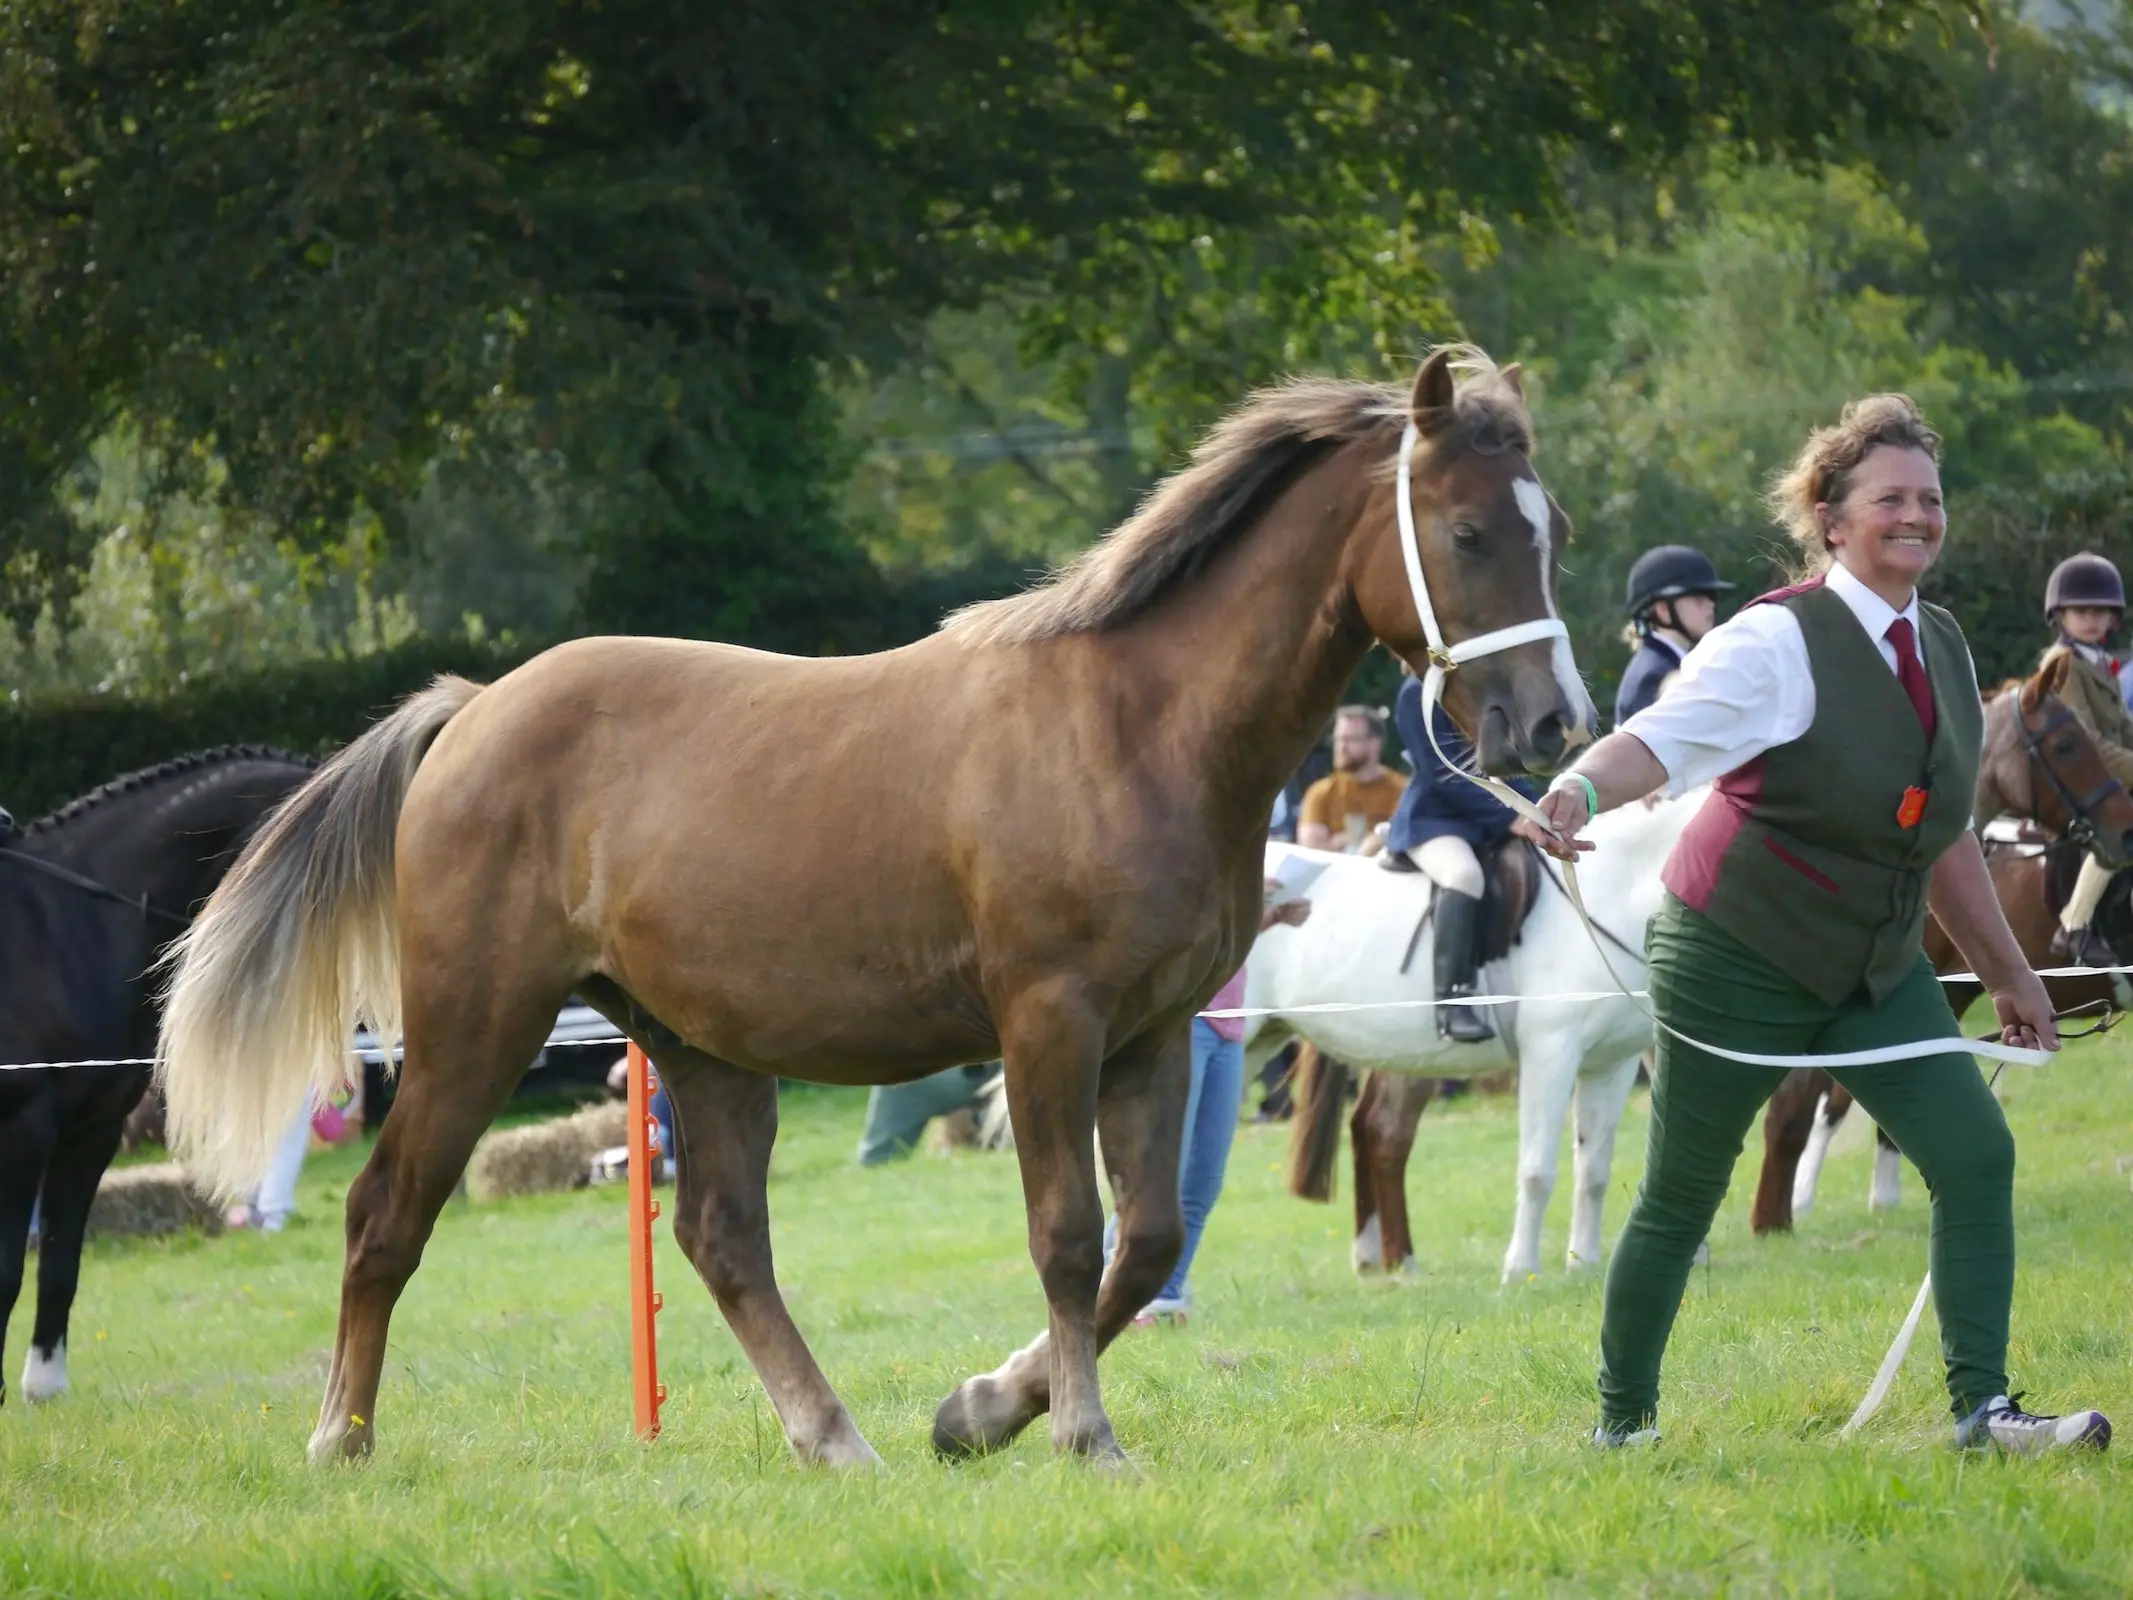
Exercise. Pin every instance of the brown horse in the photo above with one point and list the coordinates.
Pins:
(1056, 809)
(2041, 765)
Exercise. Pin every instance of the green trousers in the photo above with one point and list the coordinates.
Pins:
(1938, 1109)
(897, 1113)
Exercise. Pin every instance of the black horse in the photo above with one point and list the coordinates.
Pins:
(89, 896)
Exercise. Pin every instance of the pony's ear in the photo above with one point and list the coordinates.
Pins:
(2050, 680)
(1431, 404)
(1512, 376)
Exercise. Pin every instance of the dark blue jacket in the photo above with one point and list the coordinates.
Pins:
(1438, 801)
(1647, 670)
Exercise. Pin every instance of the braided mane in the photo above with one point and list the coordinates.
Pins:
(149, 777)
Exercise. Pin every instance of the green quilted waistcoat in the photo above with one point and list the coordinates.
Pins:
(1803, 854)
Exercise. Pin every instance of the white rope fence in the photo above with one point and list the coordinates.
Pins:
(581, 1025)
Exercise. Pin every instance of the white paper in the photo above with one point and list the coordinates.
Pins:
(1294, 870)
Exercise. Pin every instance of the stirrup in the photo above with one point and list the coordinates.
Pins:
(1463, 1024)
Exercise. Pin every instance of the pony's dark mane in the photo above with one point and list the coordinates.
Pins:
(1253, 452)
(163, 771)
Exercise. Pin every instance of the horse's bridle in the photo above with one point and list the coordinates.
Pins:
(1445, 658)
(2080, 833)
(148, 909)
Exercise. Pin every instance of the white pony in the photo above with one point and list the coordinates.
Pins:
(1349, 951)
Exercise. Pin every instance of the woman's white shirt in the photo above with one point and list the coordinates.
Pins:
(1748, 687)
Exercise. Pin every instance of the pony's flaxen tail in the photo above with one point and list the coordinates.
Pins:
(295, 949)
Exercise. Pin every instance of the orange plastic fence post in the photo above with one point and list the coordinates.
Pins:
(644, 1299)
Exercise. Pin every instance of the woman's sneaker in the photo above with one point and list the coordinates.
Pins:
(1624, 1437)
(2001, 1424)
(1161, 1312)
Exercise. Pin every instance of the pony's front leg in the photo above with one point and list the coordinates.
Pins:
(1547, 1073)
(1054, 1082)
(1601, 1096)
(725, 1123)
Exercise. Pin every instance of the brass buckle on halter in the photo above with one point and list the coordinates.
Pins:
(1442, 659)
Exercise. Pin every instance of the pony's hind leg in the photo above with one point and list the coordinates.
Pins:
(1140, 1102)
(1789, 1121)
(26, 1140)
(725, 1122)
(84, 1149)
(463, 1056)
(1397, 1115)
(1366, 1253)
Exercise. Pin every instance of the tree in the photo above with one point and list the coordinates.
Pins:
(312, 249)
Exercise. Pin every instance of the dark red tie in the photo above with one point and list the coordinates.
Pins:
(1910, 673)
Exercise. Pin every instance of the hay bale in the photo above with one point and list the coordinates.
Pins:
(543, 1157)
(952, 1131)
(149, 1200)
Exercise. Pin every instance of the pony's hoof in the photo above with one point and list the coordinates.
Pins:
(353, 1440)
(849, 1455)
(974, 1421)
(1115, 1464)
(44, 1377)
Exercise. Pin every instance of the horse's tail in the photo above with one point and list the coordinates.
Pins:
(1320, 1091)
(296, 948)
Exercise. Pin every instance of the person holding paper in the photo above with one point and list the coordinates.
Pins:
(1840, 721)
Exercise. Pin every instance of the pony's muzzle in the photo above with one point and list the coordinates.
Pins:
(1514, 743)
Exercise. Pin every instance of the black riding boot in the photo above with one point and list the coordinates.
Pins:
(1458, 938)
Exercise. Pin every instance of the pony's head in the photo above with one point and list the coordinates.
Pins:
(2041, 764)
(1488, 537)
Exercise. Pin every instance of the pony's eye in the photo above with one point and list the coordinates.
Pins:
(1466, 536)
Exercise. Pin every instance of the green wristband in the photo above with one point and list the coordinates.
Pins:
(1592, 795)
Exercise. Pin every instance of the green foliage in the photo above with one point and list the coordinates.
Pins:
(314, 251)
(58, 746)
(1748, 326)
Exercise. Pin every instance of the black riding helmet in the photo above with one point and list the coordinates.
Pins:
(2084, 580)
(1668, 571)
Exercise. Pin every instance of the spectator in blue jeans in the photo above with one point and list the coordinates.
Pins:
(1211, 1106)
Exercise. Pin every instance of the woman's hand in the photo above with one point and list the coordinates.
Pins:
(1293, 912)
(1961, 896)
(1618, 768)
(1564, 807)
(2025, 1012)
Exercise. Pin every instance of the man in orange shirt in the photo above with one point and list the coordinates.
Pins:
(1343, 808)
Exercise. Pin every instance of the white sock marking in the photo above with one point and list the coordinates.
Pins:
(45, 1377)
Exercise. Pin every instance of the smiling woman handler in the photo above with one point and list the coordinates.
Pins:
(1840, 720)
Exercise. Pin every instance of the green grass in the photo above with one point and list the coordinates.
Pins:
(1308, 1434)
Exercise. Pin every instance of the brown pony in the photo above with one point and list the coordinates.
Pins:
(2039, 764)
(1052, 817)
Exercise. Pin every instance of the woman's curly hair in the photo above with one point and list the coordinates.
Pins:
(1822, 473)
